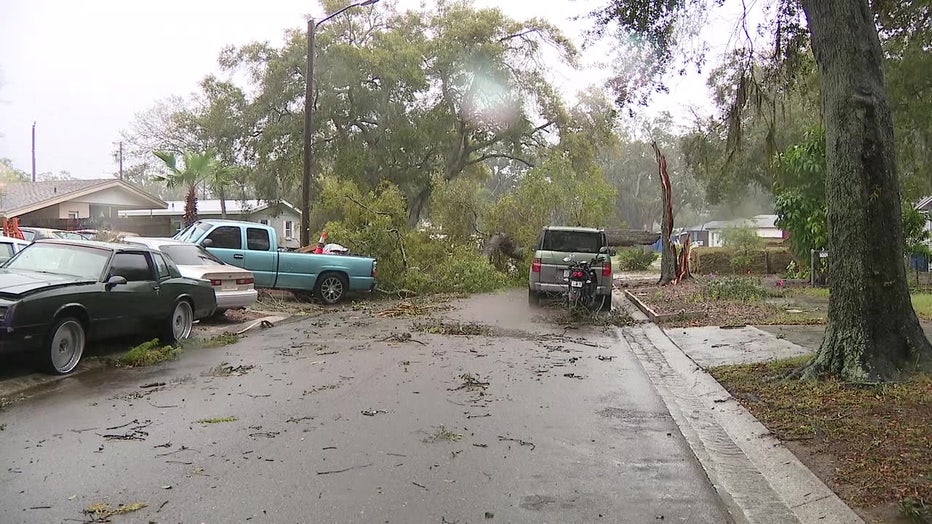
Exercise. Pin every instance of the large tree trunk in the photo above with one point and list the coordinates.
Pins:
(872, 332)
(668, 269)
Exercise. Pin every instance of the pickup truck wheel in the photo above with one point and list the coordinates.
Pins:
(331, 288)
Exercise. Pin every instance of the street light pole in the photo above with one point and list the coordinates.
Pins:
(308, 128)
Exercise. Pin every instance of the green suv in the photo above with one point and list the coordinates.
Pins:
(556, 243)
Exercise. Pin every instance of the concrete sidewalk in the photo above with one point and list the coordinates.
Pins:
(757, 477)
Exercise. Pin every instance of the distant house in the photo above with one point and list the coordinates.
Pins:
(925, 205)
(712, 234)
(282, 216)
(73, 204)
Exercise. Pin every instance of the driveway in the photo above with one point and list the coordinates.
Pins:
(485, 411)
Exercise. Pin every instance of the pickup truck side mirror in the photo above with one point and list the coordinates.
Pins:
(114, 281)
(207, 242)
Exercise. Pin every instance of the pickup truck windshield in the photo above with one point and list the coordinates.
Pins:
(192, 233)
(572, 241)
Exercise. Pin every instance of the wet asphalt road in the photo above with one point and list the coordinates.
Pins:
(343, 418)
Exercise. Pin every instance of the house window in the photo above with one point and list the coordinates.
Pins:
(288, 227)
(73, 215)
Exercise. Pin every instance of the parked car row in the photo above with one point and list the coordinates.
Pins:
(58, 294)
(61, 290)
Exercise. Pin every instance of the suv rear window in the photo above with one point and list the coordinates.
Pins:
(572, 241)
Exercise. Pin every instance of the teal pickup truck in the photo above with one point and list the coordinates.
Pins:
(252, 246)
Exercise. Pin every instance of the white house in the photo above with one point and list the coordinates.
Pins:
(712, 234)
(282, 216)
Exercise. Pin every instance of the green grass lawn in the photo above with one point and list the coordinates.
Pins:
(922, 302)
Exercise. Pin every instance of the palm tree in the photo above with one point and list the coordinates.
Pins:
(195, 168)
(218, 179)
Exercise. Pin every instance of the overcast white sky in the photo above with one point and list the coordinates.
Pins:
(82, 70)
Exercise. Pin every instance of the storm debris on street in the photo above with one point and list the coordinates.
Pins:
(344, 470)
(227, 370)
(101, 511)
(442, 327)
(135, 432)
(470, 382)
(442, 433)
(519, 441)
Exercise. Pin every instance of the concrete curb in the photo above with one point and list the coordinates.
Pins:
(758, 478)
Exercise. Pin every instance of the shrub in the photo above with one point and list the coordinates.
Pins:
(734, 288)
(744, 246)
(635, 259)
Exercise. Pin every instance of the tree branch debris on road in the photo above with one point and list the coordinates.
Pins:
(443, 433)
(470, 382)
(519, 441)
(401, 338)
(344, 470)
(101, 512)
(227, 370)
(135, 433)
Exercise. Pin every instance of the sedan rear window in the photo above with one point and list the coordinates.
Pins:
(62, 259)
(190, 255)
(572, 241)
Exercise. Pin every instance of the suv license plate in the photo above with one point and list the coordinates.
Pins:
(576, 283)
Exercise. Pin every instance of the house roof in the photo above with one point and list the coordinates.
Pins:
(924, 204)
(757, 222)
(19, 198)
(209, 207)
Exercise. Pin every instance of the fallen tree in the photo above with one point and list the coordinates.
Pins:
(630, 237)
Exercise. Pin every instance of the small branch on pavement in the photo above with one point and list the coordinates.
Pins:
(343, 470)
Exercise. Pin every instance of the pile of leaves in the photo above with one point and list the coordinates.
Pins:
(879, 438)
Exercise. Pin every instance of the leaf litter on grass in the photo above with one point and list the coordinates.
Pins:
(879, 438)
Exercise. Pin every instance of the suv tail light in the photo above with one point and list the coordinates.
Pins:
(607, 268)
(535, 266)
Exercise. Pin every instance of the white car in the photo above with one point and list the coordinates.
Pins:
(233, 286)
(10, 246)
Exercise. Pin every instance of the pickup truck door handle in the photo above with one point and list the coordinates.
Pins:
(238, 256)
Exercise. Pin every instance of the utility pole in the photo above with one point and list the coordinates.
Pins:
(308, 138)
(121, 160)
(33, 151)
(308, 128)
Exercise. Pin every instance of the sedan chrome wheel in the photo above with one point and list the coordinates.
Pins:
(66, 345)
(182, 321)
